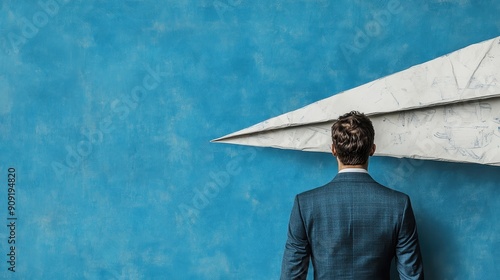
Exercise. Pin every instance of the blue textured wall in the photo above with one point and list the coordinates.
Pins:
(107, 109)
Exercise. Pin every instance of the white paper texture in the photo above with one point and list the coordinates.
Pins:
(445, 109)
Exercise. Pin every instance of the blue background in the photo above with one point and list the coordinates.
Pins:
(146, 195)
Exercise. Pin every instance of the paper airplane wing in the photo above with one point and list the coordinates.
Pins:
(445, 109)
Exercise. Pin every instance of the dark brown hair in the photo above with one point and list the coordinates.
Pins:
(352, 136)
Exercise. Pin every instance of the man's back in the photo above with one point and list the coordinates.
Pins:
(352, 228)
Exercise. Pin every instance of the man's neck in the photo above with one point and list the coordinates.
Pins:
(345, 166)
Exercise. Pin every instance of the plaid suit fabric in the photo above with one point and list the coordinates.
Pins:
(352, 228)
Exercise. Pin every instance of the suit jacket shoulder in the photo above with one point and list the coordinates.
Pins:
(352, 225)
(356, 183)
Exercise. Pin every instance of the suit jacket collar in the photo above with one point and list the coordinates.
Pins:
(352, 177)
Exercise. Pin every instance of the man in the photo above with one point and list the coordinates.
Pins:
(352, 227)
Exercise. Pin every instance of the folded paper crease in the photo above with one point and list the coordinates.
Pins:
(444, 109)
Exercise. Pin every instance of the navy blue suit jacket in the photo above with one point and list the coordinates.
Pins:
(352, 228)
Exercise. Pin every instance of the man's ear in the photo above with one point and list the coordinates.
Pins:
(374, 147)
(334, 151)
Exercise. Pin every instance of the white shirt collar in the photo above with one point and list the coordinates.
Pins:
(359, 170)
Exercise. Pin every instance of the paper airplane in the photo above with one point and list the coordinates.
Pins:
(444, 109)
